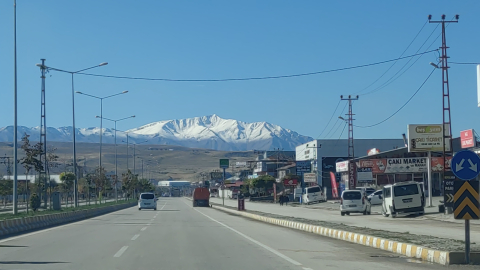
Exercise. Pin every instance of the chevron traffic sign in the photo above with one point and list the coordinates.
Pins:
(466, 205)
(449, 198)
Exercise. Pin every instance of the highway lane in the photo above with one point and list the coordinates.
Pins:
(178, 236)
(415, 225)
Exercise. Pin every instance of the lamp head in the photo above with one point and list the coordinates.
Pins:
(103, 64)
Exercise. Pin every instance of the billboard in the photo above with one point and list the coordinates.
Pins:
(303, 167)
(406, 165)
(342, 166)
(377, 165)
(425, 138)
(239, 164)
(467, 138)
(290, 182)
(437, 164)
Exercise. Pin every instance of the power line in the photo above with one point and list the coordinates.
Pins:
(344, 126)
(405, 104)
(393, 78)
(331, 117)
(460, 63)
(335, 124)
(381, 76)
(253, 78)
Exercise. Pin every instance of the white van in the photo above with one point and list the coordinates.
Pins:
(313, 194)
(403, 198)
(147, 200)
(354, 201)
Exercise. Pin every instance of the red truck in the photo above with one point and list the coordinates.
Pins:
(201, 197)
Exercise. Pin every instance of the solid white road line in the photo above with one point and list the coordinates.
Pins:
(143, 229)
(135, 236)
(120, 252)
(54, 228)
(288, 259)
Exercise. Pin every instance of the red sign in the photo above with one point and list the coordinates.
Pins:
(467, 138)
(377, 165)
(290, 182)
(437, 164)
(334, 185)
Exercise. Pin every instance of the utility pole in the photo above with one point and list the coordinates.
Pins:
(15, 128)
(351, 149)
(447, 121)
(43, 136)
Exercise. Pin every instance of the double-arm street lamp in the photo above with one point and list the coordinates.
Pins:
(101, 118)
(116, 173)
(75, 185)
(134, 169)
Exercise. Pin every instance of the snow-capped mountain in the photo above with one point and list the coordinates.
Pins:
(210, 132)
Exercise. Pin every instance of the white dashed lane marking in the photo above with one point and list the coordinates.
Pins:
(120, 252)
(135, 236)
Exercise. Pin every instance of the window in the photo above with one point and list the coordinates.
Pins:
(353, 195)
(405, 190)
(147, 196)
(387, 192)
(313, 190)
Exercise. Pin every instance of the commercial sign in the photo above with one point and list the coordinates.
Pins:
(241, 164)
(303, 167)
(290, 182)
(364, 175)
(377, 165)
(467, 138)
(310, 178)
(352, 175)
(437, 164)
(342, 166)
(424, 138)
(406, 165)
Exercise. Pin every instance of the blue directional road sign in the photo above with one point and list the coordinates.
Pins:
(466, 165)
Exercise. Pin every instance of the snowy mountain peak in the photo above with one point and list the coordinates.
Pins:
(210, 131)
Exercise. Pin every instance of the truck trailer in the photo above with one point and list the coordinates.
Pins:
(201, 197)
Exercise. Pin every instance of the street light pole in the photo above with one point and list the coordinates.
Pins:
(15, 128)
(134, 168)
(116, 165)
(101, 125)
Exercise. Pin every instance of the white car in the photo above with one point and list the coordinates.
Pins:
(147, 201)
(376, 197)
(354, 201)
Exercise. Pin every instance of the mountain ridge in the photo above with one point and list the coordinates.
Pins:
(212, 132)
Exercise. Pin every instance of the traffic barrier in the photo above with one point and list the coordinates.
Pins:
(405, 249)
(18, 225)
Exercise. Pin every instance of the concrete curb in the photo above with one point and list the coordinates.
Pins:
(408, 250)
(18, 225)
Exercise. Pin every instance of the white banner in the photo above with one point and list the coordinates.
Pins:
(309, 178)
(406, 165)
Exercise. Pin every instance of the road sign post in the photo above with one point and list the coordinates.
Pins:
(466, 201)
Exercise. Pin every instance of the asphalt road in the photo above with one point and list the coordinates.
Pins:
(413, 225)
(178, 236)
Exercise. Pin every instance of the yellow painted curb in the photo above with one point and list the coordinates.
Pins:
(408, 250)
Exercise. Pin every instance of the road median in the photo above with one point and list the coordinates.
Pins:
(10, 225)
(374, 239)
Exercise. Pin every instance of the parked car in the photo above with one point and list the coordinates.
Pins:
(354, 201)
(313, 194)
(366, 190)
(376, 197)
(403, 198)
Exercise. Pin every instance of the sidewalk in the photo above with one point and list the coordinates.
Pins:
(423, 225)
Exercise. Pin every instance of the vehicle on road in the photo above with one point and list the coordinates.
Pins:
(201, 197)
(376, 197)
(354, 201)
(313, 194)
(367, 190)
(403, 198)
(147, 200)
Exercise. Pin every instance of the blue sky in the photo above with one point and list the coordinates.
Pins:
(225, 39)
